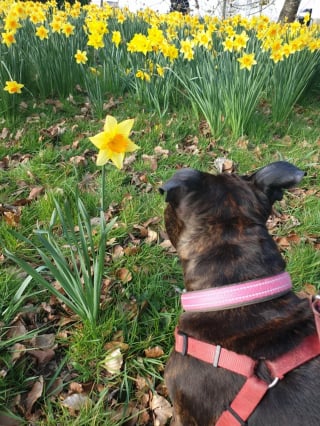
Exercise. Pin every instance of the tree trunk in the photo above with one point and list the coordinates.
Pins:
(289, 10)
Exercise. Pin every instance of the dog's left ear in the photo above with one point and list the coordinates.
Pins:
(276, 177)
(182, 182)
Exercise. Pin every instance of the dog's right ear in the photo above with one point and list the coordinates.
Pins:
(182, 182)
(274, 178)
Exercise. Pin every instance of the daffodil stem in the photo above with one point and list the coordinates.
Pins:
(103, 189)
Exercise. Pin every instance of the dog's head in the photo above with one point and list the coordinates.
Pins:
(211, 204)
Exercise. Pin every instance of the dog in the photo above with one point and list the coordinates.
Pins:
(217, 224)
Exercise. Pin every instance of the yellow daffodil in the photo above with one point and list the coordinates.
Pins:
(247, 61)
(81, 57)
(228, 44)
(160, 70)
(11, 23)
(143, 75)
(13, 87)
(96, 40)
(8, 38)
(114, 141)
(187, 49)
(116, 38)
(42, 32)
(240, 41)
(139, 43)
(67, 29)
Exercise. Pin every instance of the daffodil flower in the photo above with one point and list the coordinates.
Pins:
(13, 87)
(114, 142)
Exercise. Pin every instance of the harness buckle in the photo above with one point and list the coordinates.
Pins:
(273, 383)
(216, 356)
(184, 336)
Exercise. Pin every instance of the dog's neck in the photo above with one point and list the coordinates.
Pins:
(236, 295)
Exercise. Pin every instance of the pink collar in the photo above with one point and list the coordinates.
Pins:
(235, 295)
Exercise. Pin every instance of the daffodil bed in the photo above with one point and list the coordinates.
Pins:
(224, 68)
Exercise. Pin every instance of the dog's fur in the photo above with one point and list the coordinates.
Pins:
(217, 223)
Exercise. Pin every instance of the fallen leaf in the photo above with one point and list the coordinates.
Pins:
(43, 341)
(12, 218)
(162, 410)
(113, 361)
(159, 151)
(155, 352)
(124, 275)
(224, 165)
(76, 401)
(152, 236)
(43, 356)
(117, 252)
(34, 395)
(151, 160)
(75, 387)
(35, 192)
(79, 160)
(18, 350)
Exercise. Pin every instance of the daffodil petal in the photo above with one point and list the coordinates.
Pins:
(99, 140)
(110, 124)
(117, 159)
(103, 157)
(125, 127)
(131, 146)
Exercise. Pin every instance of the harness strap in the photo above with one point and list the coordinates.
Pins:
(244, 403)
(214, 354)
(254, 389)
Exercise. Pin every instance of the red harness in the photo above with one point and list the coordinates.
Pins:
(254, 388)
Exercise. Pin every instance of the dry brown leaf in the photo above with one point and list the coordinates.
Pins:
(130, 251)
(309, 290)
(18, 350)
(75, 387)
(159, 151)
(12, 218)
(166, 244)
(76, 401)
(17, 329)
(152, 220)
(4, 133)
(113, 361)
(155, 352)
(224, 165)
(283, 242)
(79, 160)
(116, 344)
(35, 192)
(42, 356)
(124, 275)
(162, 410)
(152, 236)
(34, 395)
(53, 132)
(141, 383)
(151, 160)
(43, 341)
(56, 387)
(117, 252)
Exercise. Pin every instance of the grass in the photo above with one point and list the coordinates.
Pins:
(141, 312)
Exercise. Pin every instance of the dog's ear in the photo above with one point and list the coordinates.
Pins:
(182, 182)
(276, 177)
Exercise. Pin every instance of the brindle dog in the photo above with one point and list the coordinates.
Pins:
(217, 223)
